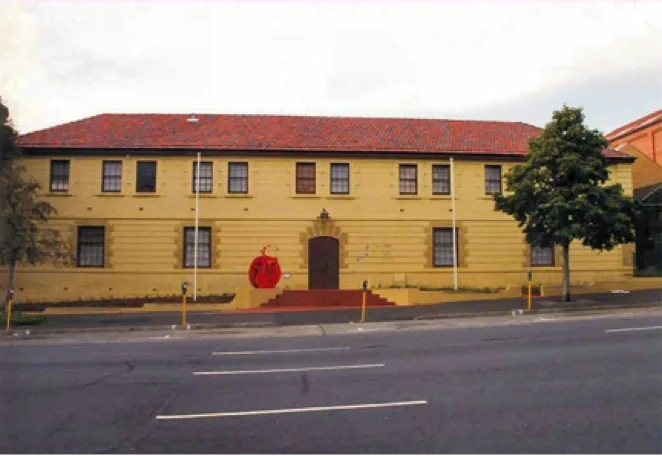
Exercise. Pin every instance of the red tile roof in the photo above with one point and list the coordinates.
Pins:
(635, 125)
(288, 133)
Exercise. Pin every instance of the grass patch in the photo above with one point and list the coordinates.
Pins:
(536, 290)
(486, 290)
(21, 319)
(124, 302)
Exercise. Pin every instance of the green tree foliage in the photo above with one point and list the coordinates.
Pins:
(559, 195)
(24, 235)
(8, 135)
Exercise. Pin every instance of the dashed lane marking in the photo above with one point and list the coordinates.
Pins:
(273, 352)
(296, 369)
(292, 410)
(643, 328)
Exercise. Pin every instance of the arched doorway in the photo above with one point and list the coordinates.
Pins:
(323, 263)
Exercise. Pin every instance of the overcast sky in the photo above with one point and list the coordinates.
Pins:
(487, 60)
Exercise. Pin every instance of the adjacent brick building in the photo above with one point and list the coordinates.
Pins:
(642, 139)
(645, 134)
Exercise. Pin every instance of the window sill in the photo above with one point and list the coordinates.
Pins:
(408, 197)
(305, 196)
(111, 194)
(204, 195)
(341, 197)
(442, 197)
(66, 194)
(238, 195)
(487, 197)
(146, 195)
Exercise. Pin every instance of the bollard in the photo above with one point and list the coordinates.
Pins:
(9, 306)
(184, 291)
(365, 289)
(529, 295)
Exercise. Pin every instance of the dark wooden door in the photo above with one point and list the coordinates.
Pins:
(323, 263)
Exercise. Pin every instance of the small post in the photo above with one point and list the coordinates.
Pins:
(9, 306)
(184, 291)
(529, 295)
(365, 289)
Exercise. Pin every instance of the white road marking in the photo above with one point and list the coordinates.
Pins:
(548, 319)
(296, 369)
(270, 352)
(643, 328)
(294, 410)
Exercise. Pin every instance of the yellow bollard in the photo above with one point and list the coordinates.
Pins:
(365, 288)
(530, 280)
(184, 310)
(529, 295)
(184, 291)
(9, 304)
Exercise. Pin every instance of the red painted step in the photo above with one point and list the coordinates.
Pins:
(325, 298)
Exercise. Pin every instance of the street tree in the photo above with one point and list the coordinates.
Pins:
(24, 235)
(560, 194)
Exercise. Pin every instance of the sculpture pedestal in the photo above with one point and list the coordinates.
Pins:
(250, 297)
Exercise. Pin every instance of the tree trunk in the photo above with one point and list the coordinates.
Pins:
(566, 272)
(10, 285)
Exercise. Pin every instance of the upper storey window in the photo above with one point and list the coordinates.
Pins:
(339, 178)
(146, 177)
(408, 179)
(206, 180)
(237, 177)
(112, 176)
(441, 180)
(306, 184)
(492, 179)
(60, 175)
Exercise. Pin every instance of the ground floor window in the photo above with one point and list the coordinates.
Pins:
(204, 247)
(91, 242)
(443, 247)
(542, 256)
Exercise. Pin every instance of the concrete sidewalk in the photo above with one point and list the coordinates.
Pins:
(125, 321)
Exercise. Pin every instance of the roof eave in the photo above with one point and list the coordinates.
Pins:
(472, 155)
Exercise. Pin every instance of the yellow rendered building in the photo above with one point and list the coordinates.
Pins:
(337, 200)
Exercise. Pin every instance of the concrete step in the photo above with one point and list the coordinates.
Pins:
(325, 298)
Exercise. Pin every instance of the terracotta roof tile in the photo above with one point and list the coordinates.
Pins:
(292, 133)
(635, 125)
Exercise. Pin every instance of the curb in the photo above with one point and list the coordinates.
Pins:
(126, 329)
(516, 312)
(494, 313)
(33, 331)
(570, 309)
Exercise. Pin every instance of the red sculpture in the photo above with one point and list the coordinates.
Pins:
(264, 271)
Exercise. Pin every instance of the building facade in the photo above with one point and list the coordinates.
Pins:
(337, 200)
(642, 139)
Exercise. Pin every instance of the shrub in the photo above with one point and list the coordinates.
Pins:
(21, 319)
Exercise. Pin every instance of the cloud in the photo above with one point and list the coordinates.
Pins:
(414, 58)
(20, 69)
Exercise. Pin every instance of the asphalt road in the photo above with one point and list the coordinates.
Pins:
(546, 387)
